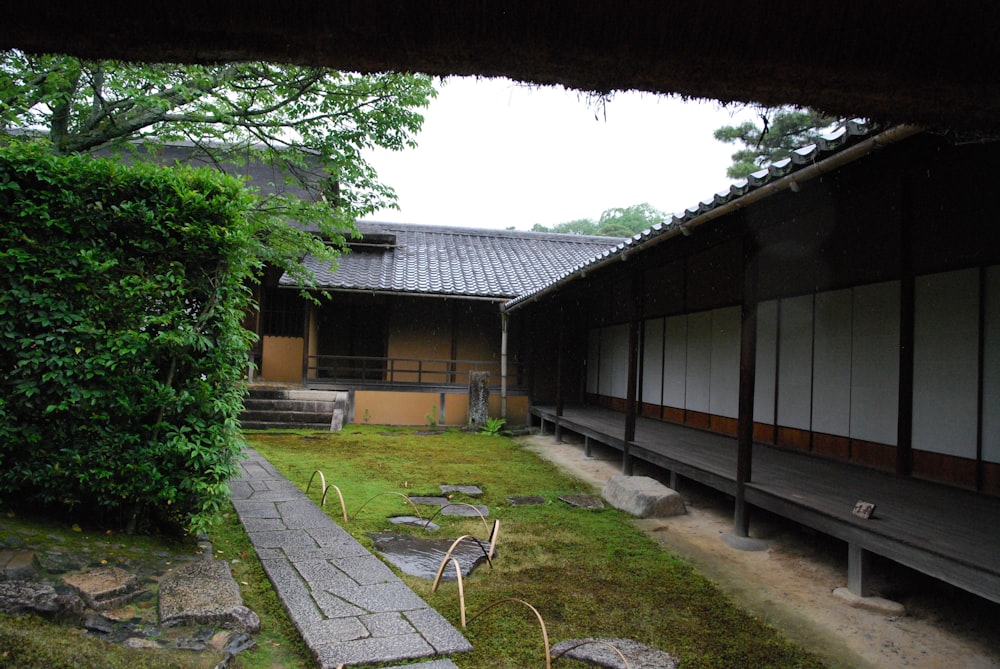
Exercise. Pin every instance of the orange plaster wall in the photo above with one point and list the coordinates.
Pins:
(281, 359)
(412, 408)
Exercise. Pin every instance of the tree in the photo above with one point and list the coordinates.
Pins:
(782, 130)
(311, 123)
(614, 222)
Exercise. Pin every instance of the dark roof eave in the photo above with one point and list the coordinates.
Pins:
(683, 225)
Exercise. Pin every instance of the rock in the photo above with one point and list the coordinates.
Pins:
(880, 605)
(583, 501)
(643, 497)
(415, 521)
(95, 622)
(135, 642)
(430, 501)
(61, 605)
(205, 593)
(598, 652)
(105, 588)
(18, 564)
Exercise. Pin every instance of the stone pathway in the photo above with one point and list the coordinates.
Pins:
(349, 607)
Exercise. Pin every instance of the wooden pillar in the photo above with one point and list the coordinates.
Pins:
(907, 309)
(633, 371)
(306, 328)
(748, 374)
(560, 363)
(503, 363)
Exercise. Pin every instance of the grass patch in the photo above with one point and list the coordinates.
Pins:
(589, 573)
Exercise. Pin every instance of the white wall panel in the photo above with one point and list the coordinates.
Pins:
(699, 362)
(724, 390)
(875, 363)
(652, 361)
(946, 363)
(795, 330)
(675, 362)
(593, 359)
(607, 363)
(618, 339)
(991, 368)
(831, 402)
(767, 360)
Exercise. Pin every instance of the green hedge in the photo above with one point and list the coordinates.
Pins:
(122, 290)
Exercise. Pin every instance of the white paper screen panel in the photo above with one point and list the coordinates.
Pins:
(767, 359)
(724, 388)
(652, 361)
(618, 340)
(991, 368)
(946, 363)
(831, 403)
(593, 359)
(875, 363)
(699, 362)
(675, 362)
(795, 362)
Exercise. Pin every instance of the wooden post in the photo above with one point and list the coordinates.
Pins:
(748, 374)
(633, 373)
(560, 359)
(503, 364)
(907, 310)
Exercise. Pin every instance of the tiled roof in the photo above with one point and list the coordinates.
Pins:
(849, 142)
(470, 262)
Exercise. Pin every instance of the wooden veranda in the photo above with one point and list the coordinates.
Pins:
(945, 532)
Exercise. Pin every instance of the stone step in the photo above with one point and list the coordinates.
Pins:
(263, 425)
(255, 404)
(277, 416)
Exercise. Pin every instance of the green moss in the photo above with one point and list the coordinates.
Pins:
(589, 573)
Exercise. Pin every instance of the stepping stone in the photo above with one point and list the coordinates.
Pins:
(106, 588)
(526, 500)
(204, 592)
(422, 557)
(471, 490)
(18, 564)
(433, 664)
(596, 652)
(465, 510)
(431, 501)
(583, 501)
(422, 523)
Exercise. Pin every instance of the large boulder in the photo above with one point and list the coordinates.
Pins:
(643, 497)
(62, 605)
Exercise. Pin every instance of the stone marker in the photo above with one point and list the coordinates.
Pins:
(204, 592)
(597, 652)
(479, 398)
(643, 497)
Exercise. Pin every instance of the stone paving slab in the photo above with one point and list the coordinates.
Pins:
(348, 606)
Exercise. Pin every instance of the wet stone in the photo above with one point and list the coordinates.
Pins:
(105, 588)
(465, 510)
(597, 652)
(526, 500)
(18, 564)
(422, 557)
(583, 501)
(471, 490)
(415, 521)
(430, 501)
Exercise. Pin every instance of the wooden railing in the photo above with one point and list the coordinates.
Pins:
(374, 371)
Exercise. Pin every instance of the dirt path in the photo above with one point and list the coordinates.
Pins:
(791, 583)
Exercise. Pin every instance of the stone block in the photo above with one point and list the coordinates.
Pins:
(643, 497)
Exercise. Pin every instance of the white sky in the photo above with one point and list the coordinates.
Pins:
(494, 154)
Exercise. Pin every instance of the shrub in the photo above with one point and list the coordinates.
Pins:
(122, 290)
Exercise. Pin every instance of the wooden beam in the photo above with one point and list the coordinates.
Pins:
(857, 570)
(907, 311)
(560, 364)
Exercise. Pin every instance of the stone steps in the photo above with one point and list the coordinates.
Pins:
(268, 408)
